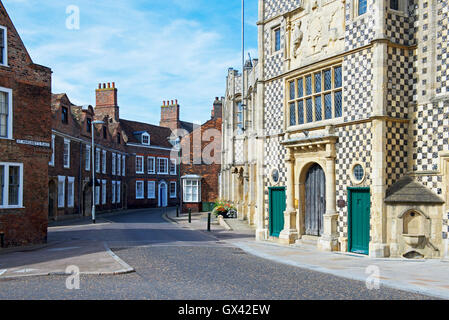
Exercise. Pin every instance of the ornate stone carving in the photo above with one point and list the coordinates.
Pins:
(298, 36)
(317, 31)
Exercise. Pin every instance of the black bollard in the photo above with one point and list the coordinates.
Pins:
(208, 221)
(190, 215)
(2, 240)
(177, 211)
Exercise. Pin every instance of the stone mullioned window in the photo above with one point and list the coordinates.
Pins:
(316, 96)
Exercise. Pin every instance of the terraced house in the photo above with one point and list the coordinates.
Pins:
(25, 99)
(132, 161)
(356, 126)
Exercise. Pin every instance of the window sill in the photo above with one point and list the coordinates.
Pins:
(6, 138)
(312, 125)
(12, 208)
(140, 198)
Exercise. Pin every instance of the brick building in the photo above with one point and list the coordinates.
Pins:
(200, 158)
(132, 160)
(25, 136)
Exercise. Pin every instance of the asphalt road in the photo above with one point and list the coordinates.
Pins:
(172, 262)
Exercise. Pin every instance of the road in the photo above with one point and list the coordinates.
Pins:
(173, 262)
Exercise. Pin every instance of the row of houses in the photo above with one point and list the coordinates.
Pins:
(60, 161)
(341, 135)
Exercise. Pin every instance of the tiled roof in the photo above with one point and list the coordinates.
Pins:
(159, 135)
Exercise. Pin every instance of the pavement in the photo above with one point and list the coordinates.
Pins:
(428, 277)
(59, 255)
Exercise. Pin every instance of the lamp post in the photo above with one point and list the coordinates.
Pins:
(94, 187)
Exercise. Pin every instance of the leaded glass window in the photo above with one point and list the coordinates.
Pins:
(292, 114)
(318, 96)
(301, 112)
(362, 7)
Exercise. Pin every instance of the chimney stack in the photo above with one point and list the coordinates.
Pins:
(170, 115)
(106, 102)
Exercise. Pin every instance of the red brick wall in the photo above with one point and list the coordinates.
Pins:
(76, 130)
(106, 102)
(133, 177)
(209, 172)
(31, 85)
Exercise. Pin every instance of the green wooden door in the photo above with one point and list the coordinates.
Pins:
(359, 205)
(277, 208)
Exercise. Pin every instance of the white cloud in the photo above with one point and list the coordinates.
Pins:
(149, 56)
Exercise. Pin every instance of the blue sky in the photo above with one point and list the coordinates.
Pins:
(153, 50)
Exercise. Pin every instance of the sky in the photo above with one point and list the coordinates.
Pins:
(152, 50)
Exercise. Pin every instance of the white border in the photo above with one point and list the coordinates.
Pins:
(5, 54)
(6, 185)
(10, 113)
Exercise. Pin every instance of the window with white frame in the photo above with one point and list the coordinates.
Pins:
(3, 46)
(52, 161)
(61, 192)
(113, 191)
(119, 164)
(139, 190)
(173, 189)
(114, 163)
(104, 164)
(162, 165)
(151, 190)
(146, 139)
(123, 165)
(11, 185)
(71, 192)
(97, 195)
(151, 165)
(139, 164)
(5, 113)
(66, 153)
(97, 160)
(119, 194)
(103, 191)
(87, 158)
(172, 166)
(192, 190)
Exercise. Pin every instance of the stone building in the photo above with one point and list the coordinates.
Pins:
(25, 136)
(133, 164)
(201, 163)
(242, 151)
(355, 108)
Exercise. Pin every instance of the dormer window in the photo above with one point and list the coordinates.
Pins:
(3, 46)
(146, 139)
(65, 115)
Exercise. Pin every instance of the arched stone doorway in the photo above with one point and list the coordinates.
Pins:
(315, 200)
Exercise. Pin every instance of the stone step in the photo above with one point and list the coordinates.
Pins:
(308, 240)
